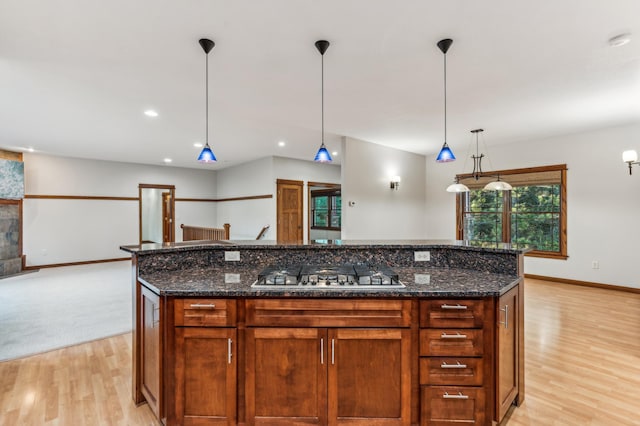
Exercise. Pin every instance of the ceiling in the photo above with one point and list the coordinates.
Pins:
(77, 75)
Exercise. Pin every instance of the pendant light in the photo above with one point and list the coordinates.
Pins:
(445, 155)
(207, 155)
(498, 185)
(323, 154)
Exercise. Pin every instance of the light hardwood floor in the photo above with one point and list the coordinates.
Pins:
(582, 350)
(88, 384)
(582, 354)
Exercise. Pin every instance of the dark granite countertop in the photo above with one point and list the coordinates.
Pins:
(324, 244)
(420, 282)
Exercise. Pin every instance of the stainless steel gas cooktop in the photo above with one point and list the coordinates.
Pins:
(347, 276)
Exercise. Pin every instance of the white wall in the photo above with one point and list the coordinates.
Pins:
(151, 200)
(247, 217)
(61, 231)
(380, 212)
(259, 177)
(603, 201)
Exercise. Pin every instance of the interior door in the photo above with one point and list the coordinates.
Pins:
(156, 213)
(289, 210)
(167, 217)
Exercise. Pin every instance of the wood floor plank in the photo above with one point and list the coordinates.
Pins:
(88, 384)
(582, 368)
(582, 351)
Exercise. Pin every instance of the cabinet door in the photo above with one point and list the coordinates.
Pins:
(507, 353)
(369, 376)
(286, 376)
(150, 349)
(205, 376)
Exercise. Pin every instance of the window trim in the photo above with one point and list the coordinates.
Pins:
(562, 168)
(329, 192)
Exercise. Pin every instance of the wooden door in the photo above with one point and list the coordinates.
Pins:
(205, 376)
(167, 217)
(289, 210)
(150, 349)
(369, 377)
(286, 380)
(507, 353)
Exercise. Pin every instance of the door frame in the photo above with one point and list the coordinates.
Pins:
(170, 237)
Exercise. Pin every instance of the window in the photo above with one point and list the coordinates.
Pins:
(532, 213)
(326, 209)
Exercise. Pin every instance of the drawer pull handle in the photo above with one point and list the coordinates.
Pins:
(458, 396)
(203, 306)
(506, 317)
(456, 306)
(453, 336)
(229, 352)
(456, 365)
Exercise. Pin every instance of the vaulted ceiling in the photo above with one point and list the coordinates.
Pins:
(77, 75)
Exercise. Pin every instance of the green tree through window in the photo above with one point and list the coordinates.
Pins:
(533, 213)
(326, 209)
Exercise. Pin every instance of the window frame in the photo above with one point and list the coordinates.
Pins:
(506, 210)
(331, 193)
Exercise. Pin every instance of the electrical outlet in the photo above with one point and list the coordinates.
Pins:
(422, 278)
(595, 264)
(231, 278)
(421, 256)
(233, 256)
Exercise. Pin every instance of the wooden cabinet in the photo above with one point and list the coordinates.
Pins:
(507, 352)
(454, 359)
(205, 366)
(286, 376)
(369, 376)
(328, 376)
(150, 344)
(453, 405)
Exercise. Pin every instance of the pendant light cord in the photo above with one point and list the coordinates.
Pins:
(206, 79)
(445, 98)
(322, 96)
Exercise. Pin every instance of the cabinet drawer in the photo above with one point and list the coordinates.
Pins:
(328, 313)
(449, 405)
(205, 312)
(451, 371)
(451, 342)
(452, 313)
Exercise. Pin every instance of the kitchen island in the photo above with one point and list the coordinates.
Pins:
(445, 347)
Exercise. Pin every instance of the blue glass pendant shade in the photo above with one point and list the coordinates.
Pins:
(323, 155)
(207, 156)
(445, 155)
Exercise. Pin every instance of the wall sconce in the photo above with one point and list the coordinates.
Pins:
(395, 182)
(630, 157)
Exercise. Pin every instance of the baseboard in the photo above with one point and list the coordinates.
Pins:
(584, 283)
(85, 262)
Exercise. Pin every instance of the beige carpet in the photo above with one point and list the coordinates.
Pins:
(57, 307)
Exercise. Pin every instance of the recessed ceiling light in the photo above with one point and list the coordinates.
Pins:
(150, 113)
(334, 153)
(30, 149)
(167, 160)
(281, 143)
(620, 40)
(198, 145)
